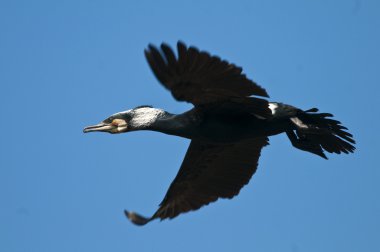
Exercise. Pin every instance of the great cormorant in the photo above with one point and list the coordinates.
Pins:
(228, 127)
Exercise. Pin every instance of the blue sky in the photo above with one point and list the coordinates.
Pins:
(68, 64)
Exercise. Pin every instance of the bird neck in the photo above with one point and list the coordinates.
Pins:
(156, 120)
(168, 123)
(145, 118)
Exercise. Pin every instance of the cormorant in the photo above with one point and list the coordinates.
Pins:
(228, 127)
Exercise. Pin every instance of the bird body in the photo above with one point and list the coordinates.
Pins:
(228, 127)
(197, 124)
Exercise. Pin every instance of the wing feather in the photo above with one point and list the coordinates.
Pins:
(209, 171)
(199, 78)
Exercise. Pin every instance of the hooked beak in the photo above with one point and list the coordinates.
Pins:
(101, 127)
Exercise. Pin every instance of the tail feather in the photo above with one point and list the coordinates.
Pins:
(317, 132)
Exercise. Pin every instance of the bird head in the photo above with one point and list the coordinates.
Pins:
(134, 119)
(114, 124)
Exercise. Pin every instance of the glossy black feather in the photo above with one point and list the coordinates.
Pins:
(209, 171)
(198, 77)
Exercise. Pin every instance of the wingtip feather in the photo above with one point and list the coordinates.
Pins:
(136, 219)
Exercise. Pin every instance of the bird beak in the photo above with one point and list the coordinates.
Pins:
(101, 127)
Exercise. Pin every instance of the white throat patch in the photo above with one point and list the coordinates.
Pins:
(143, 117)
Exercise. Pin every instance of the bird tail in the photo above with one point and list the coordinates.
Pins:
(318, 132)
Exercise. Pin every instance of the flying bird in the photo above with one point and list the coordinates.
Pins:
(228, 126)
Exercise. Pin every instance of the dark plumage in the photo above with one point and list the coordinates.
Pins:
(228, 127)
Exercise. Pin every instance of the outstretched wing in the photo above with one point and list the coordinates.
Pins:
(199, 78)
(209, 171)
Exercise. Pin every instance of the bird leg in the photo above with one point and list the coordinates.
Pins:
(306, 128)
(305, 144)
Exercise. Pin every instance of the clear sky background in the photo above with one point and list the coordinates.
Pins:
(68, 64)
